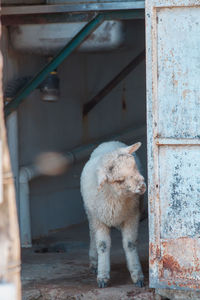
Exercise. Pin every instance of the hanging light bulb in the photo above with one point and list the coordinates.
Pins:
(49, 88)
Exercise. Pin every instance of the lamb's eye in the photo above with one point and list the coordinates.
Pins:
(119, 181)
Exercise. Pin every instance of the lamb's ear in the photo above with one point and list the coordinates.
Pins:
(133, 148)
(101, 177)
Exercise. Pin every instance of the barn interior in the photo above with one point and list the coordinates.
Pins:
(51, 132)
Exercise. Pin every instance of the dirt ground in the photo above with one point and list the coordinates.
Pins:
(56, 268)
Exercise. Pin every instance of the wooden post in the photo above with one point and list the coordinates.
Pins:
(9, 231)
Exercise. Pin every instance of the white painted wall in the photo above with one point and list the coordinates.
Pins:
(43, 127)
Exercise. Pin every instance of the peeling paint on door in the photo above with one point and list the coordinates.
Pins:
(173, 110)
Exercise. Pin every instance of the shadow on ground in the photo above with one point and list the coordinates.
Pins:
(56, 268)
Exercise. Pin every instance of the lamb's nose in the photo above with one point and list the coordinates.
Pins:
(142, 187)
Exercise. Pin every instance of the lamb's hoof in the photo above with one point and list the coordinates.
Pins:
(93, 270)
(102, 283)
(140, 283)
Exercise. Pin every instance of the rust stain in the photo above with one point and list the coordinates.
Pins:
(171, 264)
(174, 81)
(193, 284)
(154, 253)
(190, 284)
(185, 93)
(180, 264)
(157, 251)
(171, 268)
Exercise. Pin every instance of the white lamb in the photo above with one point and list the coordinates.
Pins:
(111, 186)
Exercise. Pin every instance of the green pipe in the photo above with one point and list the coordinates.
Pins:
(54, 63)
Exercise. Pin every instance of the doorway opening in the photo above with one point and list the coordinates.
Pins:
(55, 260)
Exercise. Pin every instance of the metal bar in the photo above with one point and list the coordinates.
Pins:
(71, 7)
(117, 79)
(46, 18)
(177, 142)
(69, 17)
(58, 59)
(124, 14)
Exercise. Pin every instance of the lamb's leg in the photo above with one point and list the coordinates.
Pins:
(93, 249)
(103, 243)
(129, 235)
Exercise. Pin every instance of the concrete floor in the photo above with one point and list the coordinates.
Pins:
(56, 268)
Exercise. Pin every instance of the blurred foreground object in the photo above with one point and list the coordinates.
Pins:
(7, 291)
(51, 163)
(9, 232)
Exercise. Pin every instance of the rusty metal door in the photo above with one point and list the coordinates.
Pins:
(173, 113)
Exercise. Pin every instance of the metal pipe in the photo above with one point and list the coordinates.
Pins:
(25, 175)
(113, 83)
(54, 63)
(83, 152)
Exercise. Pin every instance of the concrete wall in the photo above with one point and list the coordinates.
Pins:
(43, 127)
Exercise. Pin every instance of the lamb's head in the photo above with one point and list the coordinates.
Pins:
(119, 172)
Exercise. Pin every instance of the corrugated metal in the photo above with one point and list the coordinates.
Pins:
(173, 110)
